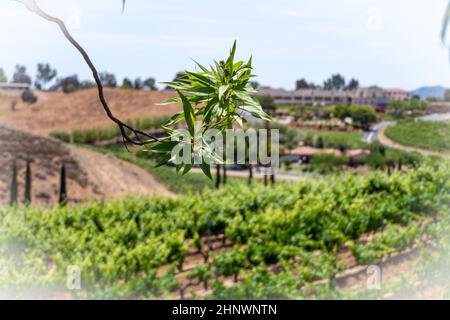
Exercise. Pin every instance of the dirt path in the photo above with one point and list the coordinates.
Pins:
(388, 142)
(115, 178)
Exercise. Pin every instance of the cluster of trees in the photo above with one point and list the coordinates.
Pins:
(47, 75)
(401, 107)
(362, 116)
(109, 80)
(335, 82)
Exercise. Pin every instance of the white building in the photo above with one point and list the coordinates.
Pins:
(373, 96)
(13, 89)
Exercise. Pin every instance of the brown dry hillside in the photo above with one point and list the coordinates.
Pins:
(90, 175)
(82, 109)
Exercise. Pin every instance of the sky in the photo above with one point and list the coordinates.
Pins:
(390, 43)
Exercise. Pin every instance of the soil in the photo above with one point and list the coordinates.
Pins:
(56, 111)
(89, 175)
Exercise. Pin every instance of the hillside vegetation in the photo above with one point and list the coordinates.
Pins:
(276, 242)
(431, 135)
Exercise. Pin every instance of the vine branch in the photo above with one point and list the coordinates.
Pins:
(140, 137)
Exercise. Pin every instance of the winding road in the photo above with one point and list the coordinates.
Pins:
(377, 133)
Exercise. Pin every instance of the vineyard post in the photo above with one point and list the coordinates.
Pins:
(14, 186)
(27, 195)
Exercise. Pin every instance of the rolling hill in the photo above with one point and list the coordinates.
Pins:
(82, 109)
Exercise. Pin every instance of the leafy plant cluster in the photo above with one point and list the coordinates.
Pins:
(431, 135)
(138, 247)
(214, 98)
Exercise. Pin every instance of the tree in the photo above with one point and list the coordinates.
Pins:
(3, 77)
(364, 116)
(29, 97)
(108, 79)
(138, 84)
(45, 74)
(20, 75)
(86, 84)
(127, 84)
(352, 85)
(150, 84)
(399, 107)
(303, 84)
(335, 82)
(69, 84)
(255, 85)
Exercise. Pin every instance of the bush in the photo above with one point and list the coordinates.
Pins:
(29, 97)
(327, 163)
(60, 135)
(97, 134)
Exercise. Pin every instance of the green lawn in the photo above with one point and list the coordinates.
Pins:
(429, 135)
(333, 139)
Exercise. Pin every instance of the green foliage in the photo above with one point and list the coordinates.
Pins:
(69, 84)
(134, 247)
(99, 134)
(362, 116)
(60, 135)
(45, 74)
(401, 107)
(391, 240)
(20, 75)
(217, 97)
(29, 97)
(327, 163)
(127, 84)
(3, 77)
(431, 135)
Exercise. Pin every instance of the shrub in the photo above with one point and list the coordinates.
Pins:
(60, 135)
(29, 97)
(327, 163)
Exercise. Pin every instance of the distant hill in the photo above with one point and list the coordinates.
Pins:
(429, 92)
(82, 109)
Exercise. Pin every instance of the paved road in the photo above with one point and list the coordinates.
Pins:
(375, 131)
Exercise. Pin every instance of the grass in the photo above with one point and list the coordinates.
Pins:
(334, 139)
(177, 183)
(331, 139)
(430, 135)
(97, 134)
